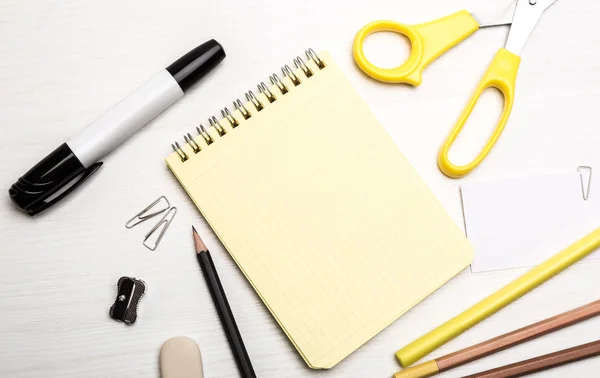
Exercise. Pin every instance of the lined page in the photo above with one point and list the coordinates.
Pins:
(326, 218)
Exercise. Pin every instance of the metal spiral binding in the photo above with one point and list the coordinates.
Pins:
(262, 88)
(204, 134)
(189, 140)
(215, 123)
(227, 115)
(177, 148)
(299, 63)
(276, 81)
(311, 54)
(287, 72)
(237, 104)
(253, 99)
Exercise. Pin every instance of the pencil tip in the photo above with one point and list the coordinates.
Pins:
(198, 243)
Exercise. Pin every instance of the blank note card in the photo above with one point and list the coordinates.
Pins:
(328, 221)
(522, 222)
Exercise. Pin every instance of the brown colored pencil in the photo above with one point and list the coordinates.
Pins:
(547, 361)
(463, 356)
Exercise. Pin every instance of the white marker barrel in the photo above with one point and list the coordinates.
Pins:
(125, 118)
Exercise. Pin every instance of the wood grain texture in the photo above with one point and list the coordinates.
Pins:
(547, 361)
(63, 63)
(519, 336)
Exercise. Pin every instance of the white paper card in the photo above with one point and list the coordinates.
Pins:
(523, 222)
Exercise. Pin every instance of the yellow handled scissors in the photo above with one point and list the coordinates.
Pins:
(434, 38)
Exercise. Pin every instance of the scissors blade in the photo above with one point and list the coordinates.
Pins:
(527, 15)
(487, 19)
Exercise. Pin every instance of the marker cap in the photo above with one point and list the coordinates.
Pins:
(194, 65)
(50, 180)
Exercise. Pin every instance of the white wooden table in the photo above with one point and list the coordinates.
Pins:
(63, 63)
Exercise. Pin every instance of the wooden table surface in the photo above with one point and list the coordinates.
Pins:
(63, 63)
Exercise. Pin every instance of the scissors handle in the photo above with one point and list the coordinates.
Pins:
(501, 74)
(428, 41)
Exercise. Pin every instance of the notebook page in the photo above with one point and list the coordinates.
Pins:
(328, 221)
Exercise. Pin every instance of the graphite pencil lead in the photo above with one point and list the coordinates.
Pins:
(198, 243)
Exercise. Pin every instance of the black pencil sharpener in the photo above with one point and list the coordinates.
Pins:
(129, 292)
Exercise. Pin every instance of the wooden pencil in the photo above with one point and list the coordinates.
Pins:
(545, 362)
(535, 277)
(502, 342)
(225, 314)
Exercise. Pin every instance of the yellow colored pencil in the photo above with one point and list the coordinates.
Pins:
(500, 299)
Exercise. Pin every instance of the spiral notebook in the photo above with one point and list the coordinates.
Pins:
(326, 218)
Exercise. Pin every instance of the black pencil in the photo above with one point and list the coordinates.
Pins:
(220, 300)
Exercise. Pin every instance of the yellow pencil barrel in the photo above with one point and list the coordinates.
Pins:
(424, 370)
(500, 299)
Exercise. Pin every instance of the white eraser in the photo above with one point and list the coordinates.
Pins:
(180, 358)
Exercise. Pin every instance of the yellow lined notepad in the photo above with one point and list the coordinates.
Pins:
(326, 218)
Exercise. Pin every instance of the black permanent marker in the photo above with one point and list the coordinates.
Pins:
(65, 168)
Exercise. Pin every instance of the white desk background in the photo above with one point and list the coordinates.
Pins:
(63, 63)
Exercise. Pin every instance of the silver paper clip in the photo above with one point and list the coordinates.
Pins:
(144, 215)
(585, 191)
(163, 224)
